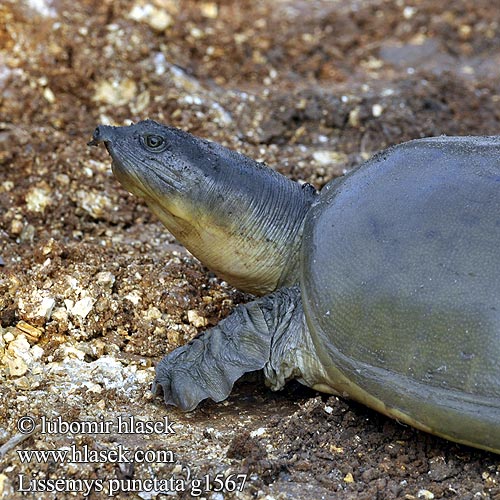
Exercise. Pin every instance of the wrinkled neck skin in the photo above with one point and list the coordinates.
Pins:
(238, 217)
(250, 241)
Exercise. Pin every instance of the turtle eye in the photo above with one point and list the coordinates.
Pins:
(155, 142)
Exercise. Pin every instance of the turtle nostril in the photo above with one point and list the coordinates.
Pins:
(103, 133)
(96, 137)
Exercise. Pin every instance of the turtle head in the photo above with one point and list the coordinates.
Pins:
(240, 218)
(142, 155)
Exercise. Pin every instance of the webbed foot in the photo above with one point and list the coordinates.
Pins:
(268, 333)
(209, 365)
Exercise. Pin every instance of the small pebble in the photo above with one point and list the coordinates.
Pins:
(209, 10)
(155, 17)
(37, 199)
(195, 319)
(428, 495)
(46, 307)
(105, 278)
(116, 93)
(3, 481)
(325, 157)
(258, 432)
(377, 110)
(133, 297)
(82, 307)
(31, 332)
(16, 366)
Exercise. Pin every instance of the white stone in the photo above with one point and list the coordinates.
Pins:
(133, 297)
(82, 307)
(37, 199)
(43, 7)
(37, 352)
(157, 18)
(49, 95)
(70, 351)
(20, 346)
(160, 63)
(116, 93)
(160, 21)
(15, 365)
(258, 432)
(409, 12)
(377, 110)
(20, 357)
(8, 337)
(428, 495)
(94, 203)
(105, 278)
(326, 157)
(46, 307)
(209, 9)
(3, 482)
(195, 319)
(153, 313)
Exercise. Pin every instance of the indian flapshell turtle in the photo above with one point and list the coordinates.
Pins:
(384, 287)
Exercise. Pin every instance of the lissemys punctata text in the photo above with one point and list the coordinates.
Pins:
(383, 287)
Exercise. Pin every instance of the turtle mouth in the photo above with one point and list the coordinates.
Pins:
(127, 176)
(147, 183)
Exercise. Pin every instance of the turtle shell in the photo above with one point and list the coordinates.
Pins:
(401, 285)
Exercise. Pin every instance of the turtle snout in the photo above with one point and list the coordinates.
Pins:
(102, 133)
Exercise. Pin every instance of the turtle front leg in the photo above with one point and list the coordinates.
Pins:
(208, 366)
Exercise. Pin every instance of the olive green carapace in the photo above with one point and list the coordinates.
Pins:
(402, 290)
(384, 287)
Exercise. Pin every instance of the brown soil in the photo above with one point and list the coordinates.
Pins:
(93, 291)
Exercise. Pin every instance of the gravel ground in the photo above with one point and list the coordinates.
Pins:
(93, 290)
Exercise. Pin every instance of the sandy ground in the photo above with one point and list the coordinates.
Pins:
(93, 290)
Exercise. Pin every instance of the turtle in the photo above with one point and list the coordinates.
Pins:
(382, 287)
